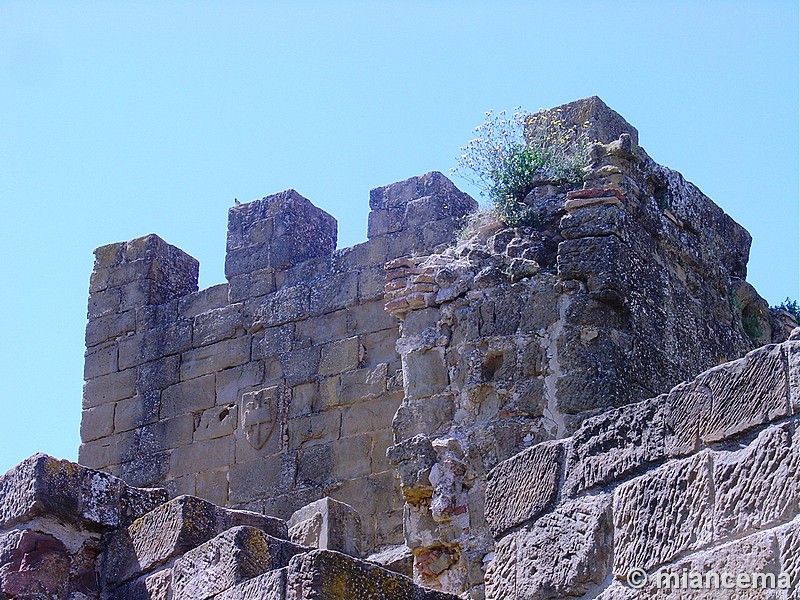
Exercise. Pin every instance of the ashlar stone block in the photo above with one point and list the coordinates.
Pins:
(171, 530)
(663, 513)
(523, 487)
(328, 524)
(42, 485)
(235, 556)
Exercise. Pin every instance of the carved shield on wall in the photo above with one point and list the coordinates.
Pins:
(259, 415)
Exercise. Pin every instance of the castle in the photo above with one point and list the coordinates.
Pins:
(494, 412)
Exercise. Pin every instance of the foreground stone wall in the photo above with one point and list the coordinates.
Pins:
(67, 532)
(701, 479)
(275, 389)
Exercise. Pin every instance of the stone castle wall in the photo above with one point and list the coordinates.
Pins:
(272, 390)
(396, 374)
(703, 479)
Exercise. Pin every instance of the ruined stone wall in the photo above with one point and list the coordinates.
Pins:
(701, 479)
(275, 389)
(515, 336)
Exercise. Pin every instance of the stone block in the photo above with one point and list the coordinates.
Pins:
(155, 437)
(324, 574)
(284, 306)
(352, 457)
(188, 396)
(171, 530)
(109, 388)
(217, 324)
(149, 468)
(231, 382)
(452, 201)
(155, 343)
(304, 399)
(322, 329)
(590, 256)
(335, 292)
(44, 486)
(313, 429)
(328, 524)
(100, 360)
(258, 478)
(39, 565)
(398, 559)
(370, 415)
(744, 393)
(424, 416)
(99, 454)
(301, 365)
(217, 422)
(280, 339)
(523, 487)
(251, 285)
(341, 356)
(366, 254)
(153, 586)
(103, 303)
(285, 227)
(215, 357)
(150, 257)
(235, 556)
(269, 586)
(563, 554)
(380, 348)
(97, 422)
(212, 485)
(686, 409)
(370, 284)
(662, 514)
(156, 375)
(611, 446)
(759, 485)
(383, 221)
(135, 412)
(191, 305)
(200, 456)
(369, 317)
(110, 327)
(595, 220)
(424, 373)
(413, 459)
(362, 384)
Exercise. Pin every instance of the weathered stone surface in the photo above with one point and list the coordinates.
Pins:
(398, 559)
(565, 553)
(173, 529)
(757, 486)
(413, 459)
(327, 575)
(238, 554)
(663, 513)
(42, 485)
(523, 486)
(269, 586)
(608, 447)
(328, 524)
(750, 391)
(38, 565)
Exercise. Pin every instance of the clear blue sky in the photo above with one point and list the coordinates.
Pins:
(121, 119)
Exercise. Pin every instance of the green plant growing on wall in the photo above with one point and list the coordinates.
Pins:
(511, 153)
(789, 306)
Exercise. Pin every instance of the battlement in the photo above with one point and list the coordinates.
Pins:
(393, 375)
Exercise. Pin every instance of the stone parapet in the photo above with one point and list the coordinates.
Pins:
(666, 485)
